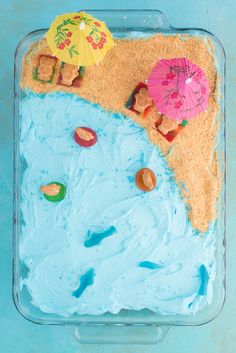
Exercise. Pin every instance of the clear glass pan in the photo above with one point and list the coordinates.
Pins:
(122, 22)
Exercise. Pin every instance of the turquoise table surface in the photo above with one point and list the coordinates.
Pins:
(19, 17)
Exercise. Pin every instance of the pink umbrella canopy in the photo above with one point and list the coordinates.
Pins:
(179, 88)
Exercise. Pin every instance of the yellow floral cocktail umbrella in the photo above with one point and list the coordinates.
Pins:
(78, 38)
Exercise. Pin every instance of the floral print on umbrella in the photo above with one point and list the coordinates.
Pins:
(179, 88)
(79, 39)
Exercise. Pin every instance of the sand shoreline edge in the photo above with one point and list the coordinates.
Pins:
(192, 155)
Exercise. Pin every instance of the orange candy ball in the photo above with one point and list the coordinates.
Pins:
(145, 179)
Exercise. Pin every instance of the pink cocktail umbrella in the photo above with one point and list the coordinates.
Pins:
(179, 88)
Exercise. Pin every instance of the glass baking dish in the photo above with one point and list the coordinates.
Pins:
(127, 326)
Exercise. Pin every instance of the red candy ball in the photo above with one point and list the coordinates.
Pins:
(85, 136)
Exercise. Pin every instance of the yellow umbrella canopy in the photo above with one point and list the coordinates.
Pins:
(78, 38)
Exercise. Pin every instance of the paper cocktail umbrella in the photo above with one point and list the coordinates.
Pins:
(78, 38)
(179, 88)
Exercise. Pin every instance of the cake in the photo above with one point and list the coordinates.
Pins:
(116, 239)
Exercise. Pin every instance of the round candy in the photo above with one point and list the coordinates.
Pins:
(54, 191)
(85, 136)
(145, 179)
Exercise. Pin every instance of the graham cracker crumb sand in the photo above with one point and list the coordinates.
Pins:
(191, 155)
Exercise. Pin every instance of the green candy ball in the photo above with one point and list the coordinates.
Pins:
(60, 196)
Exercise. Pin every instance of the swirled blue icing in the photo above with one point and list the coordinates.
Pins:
(149, 227)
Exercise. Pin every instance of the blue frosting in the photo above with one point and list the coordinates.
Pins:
(150, 228)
